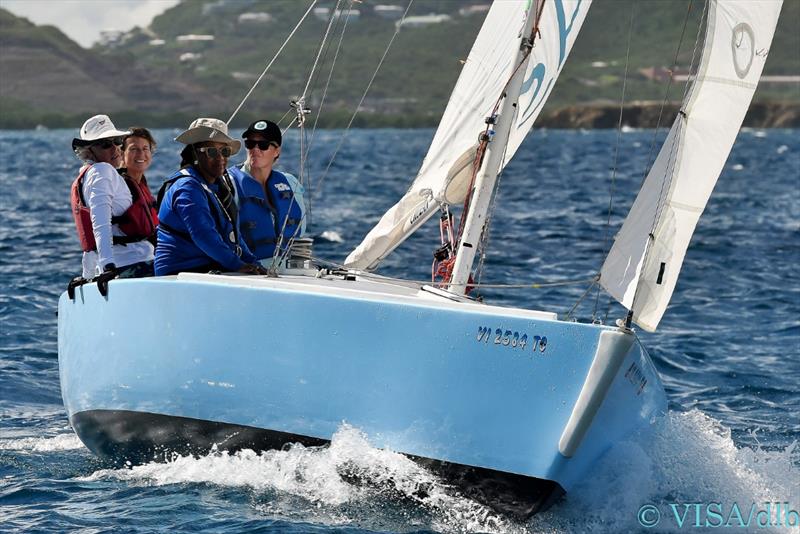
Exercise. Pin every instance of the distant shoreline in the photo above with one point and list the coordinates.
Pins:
(589, 116)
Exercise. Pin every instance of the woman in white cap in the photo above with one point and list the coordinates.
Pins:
(198, 230)
(270, 202)
(113, 228)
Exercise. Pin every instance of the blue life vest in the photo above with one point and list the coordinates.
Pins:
(264, 215)
(213, 238)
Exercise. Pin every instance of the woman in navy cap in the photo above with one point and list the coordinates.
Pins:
(271, 210)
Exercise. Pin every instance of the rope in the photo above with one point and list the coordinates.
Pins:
(484, 143)
(279, 121)
(300, 103)
(364, 95)
(322, 45)
(486, 234)
(269, 65)
(304, 154)
(588, 289)
(324, 96)
(616, 160)
(667, 178)
(406, 281)
(529, 285)
(666, 92)
(703, 18)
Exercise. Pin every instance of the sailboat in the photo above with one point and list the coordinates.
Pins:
(512, 406)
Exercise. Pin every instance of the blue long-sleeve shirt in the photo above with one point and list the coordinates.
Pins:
(196, 230)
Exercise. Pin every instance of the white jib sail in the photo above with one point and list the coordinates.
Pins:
(447, 168)
(642, 268)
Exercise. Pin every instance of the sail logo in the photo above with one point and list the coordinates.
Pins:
(743, 49)
(536, 79)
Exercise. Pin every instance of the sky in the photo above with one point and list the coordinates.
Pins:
(83, 20)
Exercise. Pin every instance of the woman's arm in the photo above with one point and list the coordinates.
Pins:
(190, 203)
(98, 192)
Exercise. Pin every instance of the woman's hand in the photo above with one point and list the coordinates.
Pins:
(252, 268)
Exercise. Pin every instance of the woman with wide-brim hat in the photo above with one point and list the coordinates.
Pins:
(113, 236)
(198, 230)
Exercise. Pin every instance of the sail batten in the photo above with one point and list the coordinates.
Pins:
(643, 265)
(447, 168)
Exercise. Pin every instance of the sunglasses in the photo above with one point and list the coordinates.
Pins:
(105, 144)
(250, 144)
(214, 152)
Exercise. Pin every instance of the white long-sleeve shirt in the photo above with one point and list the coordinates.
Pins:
(106, 195)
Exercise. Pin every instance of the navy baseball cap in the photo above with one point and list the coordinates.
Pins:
(268, 129)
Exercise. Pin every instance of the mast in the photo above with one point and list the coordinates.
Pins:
(493, 159)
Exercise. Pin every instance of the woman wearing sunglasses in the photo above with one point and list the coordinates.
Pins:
(270, 202)
(113, 237)
(198, 229)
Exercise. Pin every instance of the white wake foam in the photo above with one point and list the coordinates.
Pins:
(62, 442)
(345, 483)
(332, 236)
(686, 458)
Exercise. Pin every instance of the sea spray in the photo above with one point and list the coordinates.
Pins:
(686, 459)
(348, 482)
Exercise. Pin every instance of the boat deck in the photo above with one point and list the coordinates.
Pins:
(364, 287)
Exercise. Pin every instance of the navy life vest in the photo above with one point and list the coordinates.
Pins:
(138, 222)
(228, 207)
(263, 214)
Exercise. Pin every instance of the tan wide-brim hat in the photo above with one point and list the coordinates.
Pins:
(205, 129)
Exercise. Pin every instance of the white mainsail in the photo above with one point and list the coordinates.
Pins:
(445, 173)
(642, 268)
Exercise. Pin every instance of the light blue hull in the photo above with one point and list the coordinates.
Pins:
(418, 373)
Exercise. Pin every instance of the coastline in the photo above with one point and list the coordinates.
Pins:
(646, 115)
(598, 115)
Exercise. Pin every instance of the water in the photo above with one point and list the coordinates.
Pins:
(728, 348)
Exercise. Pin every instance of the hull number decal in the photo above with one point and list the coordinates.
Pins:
(511, 339)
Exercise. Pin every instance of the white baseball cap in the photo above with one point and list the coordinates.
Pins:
(95, 128)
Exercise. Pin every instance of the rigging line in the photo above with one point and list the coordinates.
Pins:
(284, 117)
(484, 139)
(532, 285)
(539, 285)
(580, 299)
(480, 151)
(666, 180)
(486, 234)
(322, 44)
(364, 95)
(528, 285)
(616, 155)
(702, 26)
(666, 92)
(269, 65)
(324, 97)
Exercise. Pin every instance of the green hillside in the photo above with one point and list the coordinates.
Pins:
(154, 74)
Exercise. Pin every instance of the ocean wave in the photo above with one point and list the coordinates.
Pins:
(62, 442)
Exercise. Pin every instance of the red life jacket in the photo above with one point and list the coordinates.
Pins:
(139, 221)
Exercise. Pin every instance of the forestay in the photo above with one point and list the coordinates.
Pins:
(643, 265)
(446, 170)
